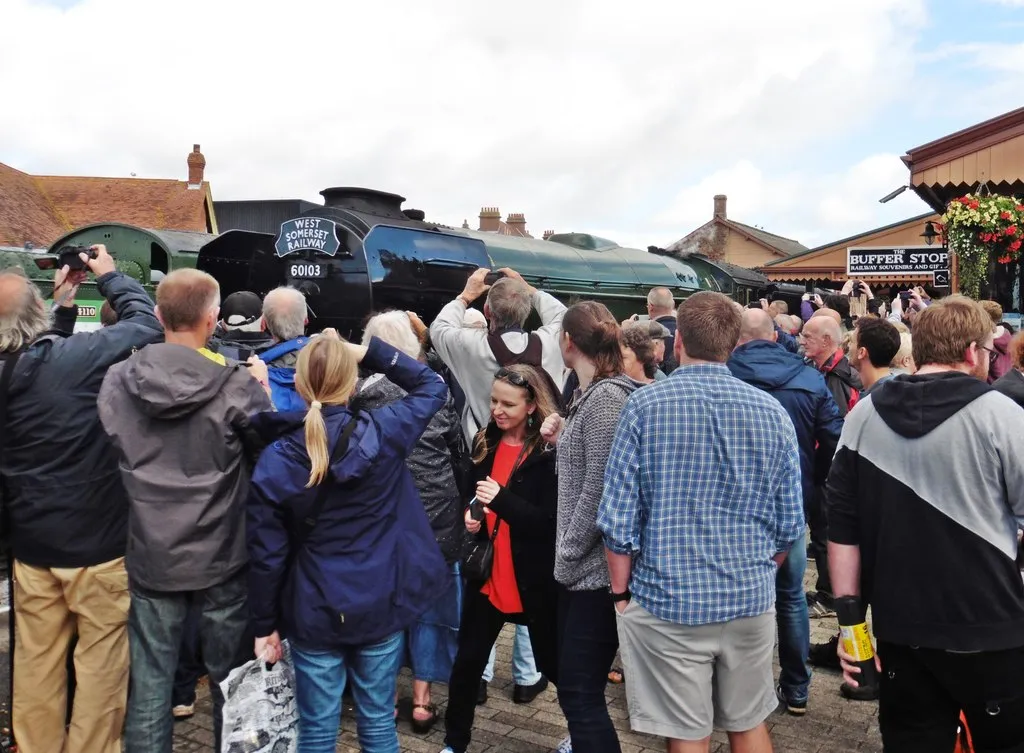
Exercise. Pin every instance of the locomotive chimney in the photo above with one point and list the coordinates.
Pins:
(548, 234)
(517, 224)
(196, 165)
(720, 206)
(490, 219)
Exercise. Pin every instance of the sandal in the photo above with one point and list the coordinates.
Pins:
(616, 677)
(423, 726)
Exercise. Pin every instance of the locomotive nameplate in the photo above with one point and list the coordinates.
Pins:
(308, 234)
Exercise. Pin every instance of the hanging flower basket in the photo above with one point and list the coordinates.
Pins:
(981, 228)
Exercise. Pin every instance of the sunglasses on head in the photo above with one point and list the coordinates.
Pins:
(514, 378)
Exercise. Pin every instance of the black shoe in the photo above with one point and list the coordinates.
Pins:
(526, 693)
(824, 656)
(859, 693)
(820, 604)
(481, 693)
(794, 708)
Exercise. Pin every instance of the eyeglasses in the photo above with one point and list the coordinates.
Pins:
(514, 378)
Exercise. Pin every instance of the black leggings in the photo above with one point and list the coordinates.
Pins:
(481, 625)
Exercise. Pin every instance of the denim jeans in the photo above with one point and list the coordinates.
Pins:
(588, 640)
(794, 625)
(156, 622)
(320, 678)
(432, 642)
(190, 663)
(524, 668)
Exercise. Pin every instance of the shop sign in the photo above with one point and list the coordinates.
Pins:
(907, 261)
(308, 234)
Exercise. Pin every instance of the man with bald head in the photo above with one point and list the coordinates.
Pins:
(822, 338)
(67, 506)
(761, 362)
(661, 308)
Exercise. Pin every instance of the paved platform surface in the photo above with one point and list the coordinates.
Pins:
(832, 724)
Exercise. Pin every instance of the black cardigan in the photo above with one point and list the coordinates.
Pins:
(529, 507)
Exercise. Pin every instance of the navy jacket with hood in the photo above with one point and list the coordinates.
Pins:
(802, 391)
(370, 567)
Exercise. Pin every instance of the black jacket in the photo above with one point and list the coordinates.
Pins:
(669, 364)
(928, 484)
(430, 462)
(529, 507)
(67, 505)
(842, 381)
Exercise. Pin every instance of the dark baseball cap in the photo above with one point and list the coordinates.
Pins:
(241, 308)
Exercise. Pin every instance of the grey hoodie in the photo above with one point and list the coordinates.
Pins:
(583, 448)
(177, 418)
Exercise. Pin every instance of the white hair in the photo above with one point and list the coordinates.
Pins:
(394, 328)
(26, 319)
(284, 311)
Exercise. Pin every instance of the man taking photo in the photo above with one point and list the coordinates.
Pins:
(67, 508)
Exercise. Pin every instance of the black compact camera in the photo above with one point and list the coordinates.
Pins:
(68, 256)
(236, 352)
(493, 277)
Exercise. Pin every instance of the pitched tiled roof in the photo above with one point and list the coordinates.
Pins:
(40, 209)
(788, 246)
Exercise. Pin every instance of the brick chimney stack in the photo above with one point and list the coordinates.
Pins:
(490, 219)
(517, 224)
(720, 206)
(196, 166)
(548, 234)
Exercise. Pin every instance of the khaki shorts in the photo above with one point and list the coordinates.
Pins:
(683, 681)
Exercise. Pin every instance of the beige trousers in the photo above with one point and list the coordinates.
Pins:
(50, 606)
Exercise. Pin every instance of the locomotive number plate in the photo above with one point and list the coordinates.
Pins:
(307, 270)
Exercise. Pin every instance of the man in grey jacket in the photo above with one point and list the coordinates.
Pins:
(176, 412)
(470, 352)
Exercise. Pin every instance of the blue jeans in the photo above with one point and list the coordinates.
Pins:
(156, 622)
(320, 678)
(794, 625)
(190, 663)
(524, 668)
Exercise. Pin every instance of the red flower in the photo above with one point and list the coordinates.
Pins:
(964, 200)
(1005, 216)
(1012, 230)
(986, 237)
(1019, 207)
(1004, 260)
(1015, 246)
(974, 205)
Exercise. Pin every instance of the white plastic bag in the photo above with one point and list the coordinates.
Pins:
(260, 715)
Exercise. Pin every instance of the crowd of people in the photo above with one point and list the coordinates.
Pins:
(201, 480)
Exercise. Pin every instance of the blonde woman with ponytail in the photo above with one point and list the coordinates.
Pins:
(343, 558)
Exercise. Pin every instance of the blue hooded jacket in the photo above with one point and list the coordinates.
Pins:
(282, 378)
(371, 565)
(801, 390)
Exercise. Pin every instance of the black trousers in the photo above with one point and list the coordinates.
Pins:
(922, 692)
(588, 638)
(481, 624)
(817, 520)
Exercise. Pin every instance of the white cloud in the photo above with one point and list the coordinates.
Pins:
(582, 113)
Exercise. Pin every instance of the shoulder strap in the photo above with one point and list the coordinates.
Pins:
(309, 522)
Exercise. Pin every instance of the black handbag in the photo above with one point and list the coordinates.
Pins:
(479, 557)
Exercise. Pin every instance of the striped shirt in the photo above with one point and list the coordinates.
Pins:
(703, 488)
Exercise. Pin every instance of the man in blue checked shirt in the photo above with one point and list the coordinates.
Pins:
(702, 502)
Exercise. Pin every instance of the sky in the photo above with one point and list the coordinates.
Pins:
(598, 116)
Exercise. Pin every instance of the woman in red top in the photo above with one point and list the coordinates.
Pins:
(518, 494)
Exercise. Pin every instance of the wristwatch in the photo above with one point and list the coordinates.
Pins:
(624, 596)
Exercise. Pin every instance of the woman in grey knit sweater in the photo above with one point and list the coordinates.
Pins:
(590, 346)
